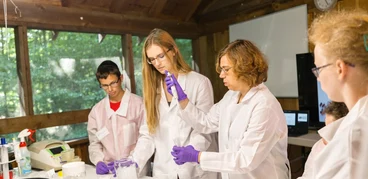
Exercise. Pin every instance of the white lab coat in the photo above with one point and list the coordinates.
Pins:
(327, 132)
(252, 135)
(113, 135)
(346, 155)
(172, 130)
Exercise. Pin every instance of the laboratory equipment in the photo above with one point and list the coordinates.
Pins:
(74, 170)
(46, 154)
(125, 168)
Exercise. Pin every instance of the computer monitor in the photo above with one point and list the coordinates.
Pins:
(297, 122)
(290, 118)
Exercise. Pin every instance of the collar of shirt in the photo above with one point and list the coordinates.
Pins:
(249, 94)
(124, 104)
(329, 131)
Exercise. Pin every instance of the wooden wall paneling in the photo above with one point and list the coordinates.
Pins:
(17, 124)
(205, 51)
(200, 54)
(23, 70)
(128, 59)
(81, 149)
(289, 103)
(210, 61)
(73, 19)
(220, 39)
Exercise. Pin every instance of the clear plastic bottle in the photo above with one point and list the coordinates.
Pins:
(25, 161)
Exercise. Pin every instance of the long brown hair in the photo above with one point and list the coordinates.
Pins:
(152, 78)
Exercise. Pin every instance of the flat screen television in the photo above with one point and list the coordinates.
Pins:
(310, 94)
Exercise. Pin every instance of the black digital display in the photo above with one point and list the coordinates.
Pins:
(56, 150)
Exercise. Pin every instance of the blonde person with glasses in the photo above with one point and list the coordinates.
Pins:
(341, 48)
(163, 128)
(249, 120)
(113, 123)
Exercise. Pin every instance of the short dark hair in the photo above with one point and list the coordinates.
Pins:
(336, 109)
(107, 68)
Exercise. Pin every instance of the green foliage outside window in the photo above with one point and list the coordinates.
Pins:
(63, 69)
(9, 85)
(63, 66)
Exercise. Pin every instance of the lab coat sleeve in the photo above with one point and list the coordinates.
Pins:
(95, 147)
(308, 167)
(145, 147)
(204, 102)
(199, 120)
(263, 132)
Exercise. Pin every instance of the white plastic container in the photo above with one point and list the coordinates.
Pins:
(74, 170)
(125, 168)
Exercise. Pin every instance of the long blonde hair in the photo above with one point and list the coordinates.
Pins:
(152, 78)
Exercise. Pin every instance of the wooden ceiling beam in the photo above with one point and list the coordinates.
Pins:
(73, 19)
(157, 7)
(222, 25)
(219, 4)
(193, 6)
(233, 10)
(116, 6)
(82, 5)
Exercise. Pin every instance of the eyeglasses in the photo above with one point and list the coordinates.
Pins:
(225, 70)
(160, 56)
(113, 84)
(317, 70)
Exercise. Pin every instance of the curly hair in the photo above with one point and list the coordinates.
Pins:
(336, 109)
(249, 63)
(341, 34)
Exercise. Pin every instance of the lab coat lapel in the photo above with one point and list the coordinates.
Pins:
(112, 115)
(124, 104)
(109, 111)
(226, 119)
(240, 122)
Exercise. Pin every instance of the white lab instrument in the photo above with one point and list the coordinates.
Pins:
(46, 154)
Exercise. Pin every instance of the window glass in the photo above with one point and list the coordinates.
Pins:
(63, 66)
(185, 46)
(67, 132)
(9, 83)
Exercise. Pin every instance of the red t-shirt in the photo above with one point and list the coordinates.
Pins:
(115, 106)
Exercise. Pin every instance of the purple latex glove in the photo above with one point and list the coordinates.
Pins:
(184, 154)
(111, 168)
(171, 81)
(101, 168)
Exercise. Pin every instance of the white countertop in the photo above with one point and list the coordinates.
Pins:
(90, 174)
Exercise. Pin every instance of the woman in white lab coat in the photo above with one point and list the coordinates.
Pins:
(250, 122)
(341, 59)
(163, 128)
